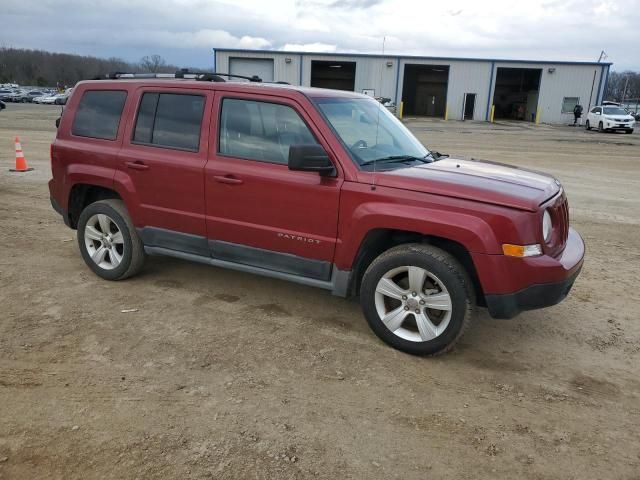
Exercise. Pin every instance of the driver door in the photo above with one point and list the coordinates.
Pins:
(258, 212)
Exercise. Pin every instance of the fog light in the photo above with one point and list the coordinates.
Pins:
(521, 250)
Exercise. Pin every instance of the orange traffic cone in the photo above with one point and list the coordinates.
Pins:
(21, 162)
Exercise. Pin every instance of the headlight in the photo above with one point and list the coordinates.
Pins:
(546, 226)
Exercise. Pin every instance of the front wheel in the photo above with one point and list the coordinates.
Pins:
(600, 127)
(629, 131)
(417, 298)
(588, 125)
(108, 240)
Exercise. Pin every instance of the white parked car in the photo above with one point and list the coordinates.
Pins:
(49, 99)
(38, 99)
(610, 118)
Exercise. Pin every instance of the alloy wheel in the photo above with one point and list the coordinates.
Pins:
(104, 241)
(413, 303)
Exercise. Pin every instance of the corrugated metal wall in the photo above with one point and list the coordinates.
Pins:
(371, 73)
(465, 76)
(282, 70)
(565, 81)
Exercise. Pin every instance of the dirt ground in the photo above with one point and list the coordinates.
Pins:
(224, 375)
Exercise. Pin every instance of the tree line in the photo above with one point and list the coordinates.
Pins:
(47, 69)
(623, 86)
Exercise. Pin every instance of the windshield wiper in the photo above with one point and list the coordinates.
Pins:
(395, 159)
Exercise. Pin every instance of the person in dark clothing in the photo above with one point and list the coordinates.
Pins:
(577, 113)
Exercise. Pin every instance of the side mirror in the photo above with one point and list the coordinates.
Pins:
(310, 158)
(597, 113)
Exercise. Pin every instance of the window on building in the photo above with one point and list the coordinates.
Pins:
(98, 114)
(170, 120)
(261, 131)
(569, 103)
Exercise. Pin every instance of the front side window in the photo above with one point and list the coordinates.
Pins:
(369, 131)
(170, 120)
(98, 114)
(260, 131)
(596, 110)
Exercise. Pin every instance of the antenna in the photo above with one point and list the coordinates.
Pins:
(373, 185)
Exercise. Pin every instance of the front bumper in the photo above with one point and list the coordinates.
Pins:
(513, 285)
(619, 126)
(536, 296)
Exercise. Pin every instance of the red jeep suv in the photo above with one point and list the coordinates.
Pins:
(320, 187)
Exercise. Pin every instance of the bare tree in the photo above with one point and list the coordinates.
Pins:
(153, 63)
(623, 85)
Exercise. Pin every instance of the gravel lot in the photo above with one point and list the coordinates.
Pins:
(225, 375)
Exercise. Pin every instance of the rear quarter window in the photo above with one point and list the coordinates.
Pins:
(98, 114)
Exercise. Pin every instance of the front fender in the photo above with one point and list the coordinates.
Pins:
(471, 224)
(471, 232)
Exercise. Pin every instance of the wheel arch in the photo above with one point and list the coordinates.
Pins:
(83, 194)
(379, 240)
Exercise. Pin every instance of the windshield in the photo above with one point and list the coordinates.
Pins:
(369, 131)
(614, 111)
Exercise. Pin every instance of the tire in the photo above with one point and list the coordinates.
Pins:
(121, 259)
(588, 125)
(444, 277)
(629, 131)
(600, 127)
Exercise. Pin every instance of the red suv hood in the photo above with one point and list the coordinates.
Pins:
(481, 181)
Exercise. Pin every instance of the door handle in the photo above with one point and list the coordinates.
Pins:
(137, 165)
(228, 179)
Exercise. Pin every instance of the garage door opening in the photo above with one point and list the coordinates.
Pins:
(516, 94)
(262, 67)
(424, 90)
(335, 75)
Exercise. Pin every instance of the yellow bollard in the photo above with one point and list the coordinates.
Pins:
(401, 111)
(538, 116)
(446, 113)
(493, 111)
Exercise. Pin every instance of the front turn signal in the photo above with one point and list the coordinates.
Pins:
(521, 250)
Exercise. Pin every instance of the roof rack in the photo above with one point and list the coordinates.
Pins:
(182, 73)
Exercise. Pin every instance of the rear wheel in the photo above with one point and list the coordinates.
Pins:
(588, 125)
(108, 240)
(417, 298)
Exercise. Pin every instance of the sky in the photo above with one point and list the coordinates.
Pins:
(184, 32)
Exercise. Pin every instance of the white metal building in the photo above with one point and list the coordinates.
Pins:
(453, 88)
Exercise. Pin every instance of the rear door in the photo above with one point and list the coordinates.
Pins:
(162, 164)
(259, 212)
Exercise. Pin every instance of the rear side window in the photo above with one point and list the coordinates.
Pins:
(170, 120)
(98, 115)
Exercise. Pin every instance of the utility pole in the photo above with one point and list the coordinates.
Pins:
(624, 91)
(603, 55)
